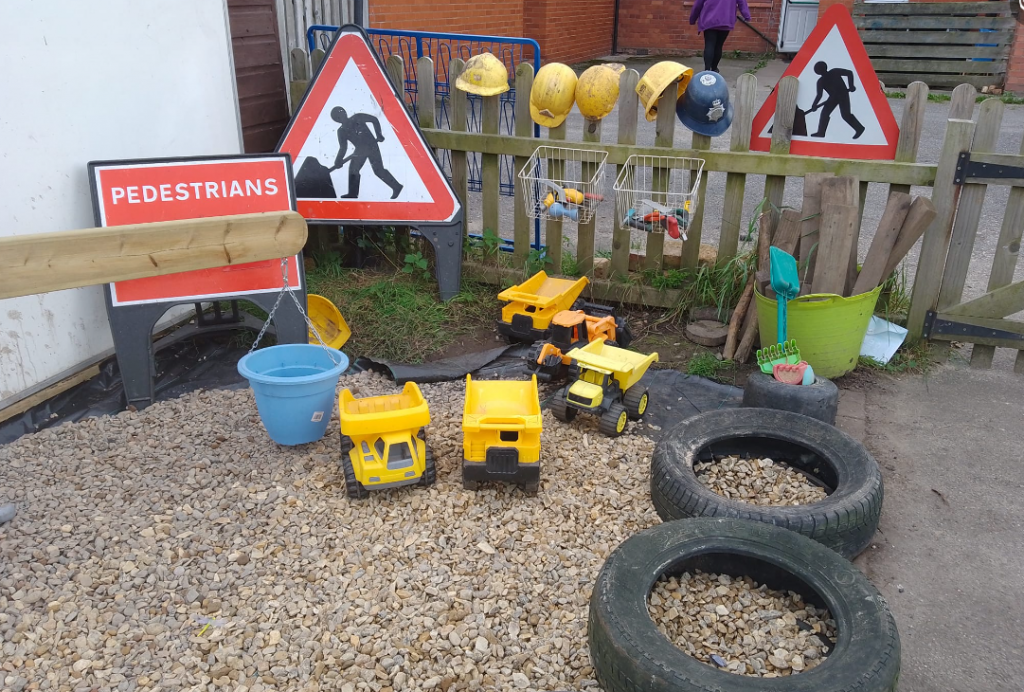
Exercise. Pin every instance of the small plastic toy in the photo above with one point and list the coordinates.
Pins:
(383, 441)
(572, 329)
(501, 425)
(605, 382)
(533, 303)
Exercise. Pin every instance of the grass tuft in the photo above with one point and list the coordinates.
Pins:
(707, 365)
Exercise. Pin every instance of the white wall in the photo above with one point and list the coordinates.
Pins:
(83, 81)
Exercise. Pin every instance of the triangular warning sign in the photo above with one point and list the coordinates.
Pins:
(357, 154)
(841, 109)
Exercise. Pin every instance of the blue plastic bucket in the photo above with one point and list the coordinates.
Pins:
(294, 386)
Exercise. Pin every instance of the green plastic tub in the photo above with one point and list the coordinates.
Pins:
(828, 329)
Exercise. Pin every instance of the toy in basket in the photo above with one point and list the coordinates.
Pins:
(658, 193)
(561, 183)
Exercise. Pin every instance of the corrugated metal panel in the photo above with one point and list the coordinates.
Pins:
(260, 76)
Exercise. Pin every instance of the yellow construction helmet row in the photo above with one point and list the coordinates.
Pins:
(484, 75)
(553, 93)
(656, 80)
(597, 91)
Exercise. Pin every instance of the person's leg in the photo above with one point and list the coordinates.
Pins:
(384, 174)
(710, 42)
(850, 118)
(355, 164)
(719, 45)
(826, 115)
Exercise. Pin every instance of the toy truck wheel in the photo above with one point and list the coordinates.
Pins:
(561, 408)
(574, 370)
(613, 421)
(533, 356)
(429, 469)
(531, 488)
(353, 488)
(636, 400)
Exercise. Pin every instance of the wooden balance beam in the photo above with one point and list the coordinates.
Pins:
(44, 262)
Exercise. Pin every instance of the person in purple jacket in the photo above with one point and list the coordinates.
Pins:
(716, 18)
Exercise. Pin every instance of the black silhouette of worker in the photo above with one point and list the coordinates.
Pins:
(834, 83)
(356, 130)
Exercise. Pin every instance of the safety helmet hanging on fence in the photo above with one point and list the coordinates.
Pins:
(656, 80)
(552, 95)
(597, 92)
(484, 75)
(705, 107)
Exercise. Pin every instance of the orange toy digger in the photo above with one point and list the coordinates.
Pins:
(572, 329)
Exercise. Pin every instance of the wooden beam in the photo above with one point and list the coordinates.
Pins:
(664, 136)
(911, 10)
(628, 108)
(44, 262)
(838, 228)
(920, 216)
(946, 22)
(736, 183)
(1001, 302)
(782, 137)
(524, 128)
(931, 40)
(956, 67)
(810, 225)
(910, 50)
(873, 271)
(752, 163)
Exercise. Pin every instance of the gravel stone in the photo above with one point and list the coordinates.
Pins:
(758, 481)
(755, 630)
(315, 592)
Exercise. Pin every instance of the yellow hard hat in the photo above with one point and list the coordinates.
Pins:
(656, 80)
(553, 93)
(484, 75)
(597, 90)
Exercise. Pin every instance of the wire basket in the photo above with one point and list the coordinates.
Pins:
(639, 207)
(560, 183)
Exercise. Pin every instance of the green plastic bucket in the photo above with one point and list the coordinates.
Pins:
(828, 329)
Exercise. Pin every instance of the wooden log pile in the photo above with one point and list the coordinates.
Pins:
(823, 237)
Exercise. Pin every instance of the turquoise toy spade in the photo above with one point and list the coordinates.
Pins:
(786, 284)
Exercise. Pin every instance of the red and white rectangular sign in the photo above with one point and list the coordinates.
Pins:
(129, 192)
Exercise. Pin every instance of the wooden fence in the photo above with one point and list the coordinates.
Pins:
(945, 251)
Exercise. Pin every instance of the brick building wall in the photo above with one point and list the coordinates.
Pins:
(570, 32)
(454, 16)
(663, 27)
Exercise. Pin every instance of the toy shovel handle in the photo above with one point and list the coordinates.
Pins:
(781, 336)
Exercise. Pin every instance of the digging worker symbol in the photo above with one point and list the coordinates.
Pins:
(834, 83)
(356, 130)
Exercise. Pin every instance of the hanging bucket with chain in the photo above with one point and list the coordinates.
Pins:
(294, 384)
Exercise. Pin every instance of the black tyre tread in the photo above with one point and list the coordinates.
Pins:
(561, 409)
(630, 655)
(353, 488)
(429, 467)
(609, 423)
(632, 398)
(532, 355)
(845, 521)
(819, 400)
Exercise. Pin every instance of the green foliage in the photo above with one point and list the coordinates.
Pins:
(328, 263)
(894, 299)
(491, 243)
(537, 260)
(416, 265)
(761, 63)
(705, 364)
(909, 359)
(570, 265)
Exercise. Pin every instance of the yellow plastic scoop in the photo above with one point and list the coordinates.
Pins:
(327, 319)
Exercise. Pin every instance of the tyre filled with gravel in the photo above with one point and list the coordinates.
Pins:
(629, 653)
(845, 520)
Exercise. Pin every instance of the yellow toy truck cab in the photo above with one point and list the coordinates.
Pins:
(383, 441)
(605, 381)
(533, 303)
(572, 329)
(501, 425)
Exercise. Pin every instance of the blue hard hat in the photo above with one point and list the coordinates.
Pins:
(705, 107)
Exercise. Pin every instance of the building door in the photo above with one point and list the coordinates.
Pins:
(797, 22)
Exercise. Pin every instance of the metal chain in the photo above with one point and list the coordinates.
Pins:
(285, 290)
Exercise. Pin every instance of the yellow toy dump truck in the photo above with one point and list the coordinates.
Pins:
(501, 425)
(533, 303)
(605, 381)
(572, 329)
(383, 441)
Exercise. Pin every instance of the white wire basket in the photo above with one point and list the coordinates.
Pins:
(639, 207)
(562, 183)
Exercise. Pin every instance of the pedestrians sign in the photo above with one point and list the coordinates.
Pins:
(841, 110)
(357, 153)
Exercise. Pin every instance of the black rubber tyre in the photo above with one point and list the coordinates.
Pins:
(574, 370)
(429, 469)
(532, 355)
(353, 488)
(636, 399)
(613, 421)
(561, 409)
(845, 521)
(819, 400)
(630, 654)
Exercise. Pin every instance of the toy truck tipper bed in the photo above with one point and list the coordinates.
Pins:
(605, 381)
(533, 303)
(383, 442)
(501, 425)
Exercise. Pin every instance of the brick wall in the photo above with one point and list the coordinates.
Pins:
(1015, 66)
(570, 32)
(455, 16)
(663, 27)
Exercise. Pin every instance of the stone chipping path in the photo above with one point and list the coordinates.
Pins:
(178, 548)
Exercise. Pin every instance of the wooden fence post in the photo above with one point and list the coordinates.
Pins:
(396, 71)
(928, 277)
(524, 128)
(553, 227)
(782, 135)
(961, 103)
(585, 231)
(460, 166)
(691, 248)
(317, 57)
(910, 128)
(489, 171)
(628, 106)
(665, 132)
(968, 214)
(736, 183)
(300, 78)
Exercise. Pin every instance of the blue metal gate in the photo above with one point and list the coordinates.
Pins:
(442, 48)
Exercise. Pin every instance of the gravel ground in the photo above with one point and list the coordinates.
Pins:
(749, 628)
(179, 548)
(758, 481)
